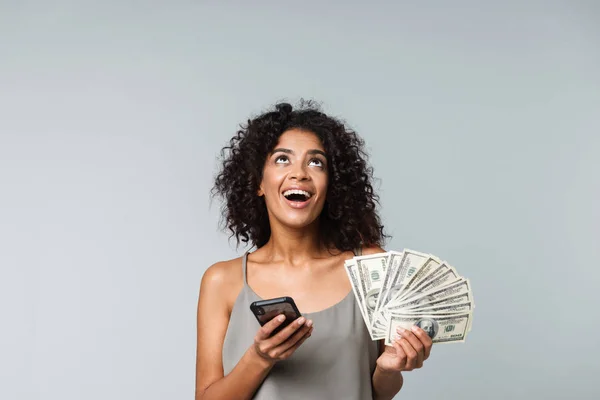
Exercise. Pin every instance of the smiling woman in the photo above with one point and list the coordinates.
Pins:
(295, 178)
(296, 185)
(348, 217)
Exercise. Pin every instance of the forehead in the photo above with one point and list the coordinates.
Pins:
(297, 140)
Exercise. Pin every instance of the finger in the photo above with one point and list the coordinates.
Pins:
(400, 354)
(291, 350)
(425, 340)
(411, 354)
(265, 331)
(416, 344)
(295, 338)
(286, 332)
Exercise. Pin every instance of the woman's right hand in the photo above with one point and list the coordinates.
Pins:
(283, 344)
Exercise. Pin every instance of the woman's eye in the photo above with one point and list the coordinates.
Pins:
(317, 162)
(281, 159)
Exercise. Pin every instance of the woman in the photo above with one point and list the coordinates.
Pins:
(296, 186)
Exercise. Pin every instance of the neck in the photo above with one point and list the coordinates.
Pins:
(293, 246)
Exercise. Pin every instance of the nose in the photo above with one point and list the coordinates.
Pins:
(299, 172)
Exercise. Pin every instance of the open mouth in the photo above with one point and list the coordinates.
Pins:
(296, 195)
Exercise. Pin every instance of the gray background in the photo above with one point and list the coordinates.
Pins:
(482, 121)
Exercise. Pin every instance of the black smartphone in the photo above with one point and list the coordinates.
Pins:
(266, 310)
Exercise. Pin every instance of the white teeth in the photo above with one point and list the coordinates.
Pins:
(297, 191)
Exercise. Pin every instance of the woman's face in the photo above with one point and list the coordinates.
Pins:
(295, 179)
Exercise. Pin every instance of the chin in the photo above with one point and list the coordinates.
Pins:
(299, 222)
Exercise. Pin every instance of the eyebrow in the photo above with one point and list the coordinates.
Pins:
(288, 151)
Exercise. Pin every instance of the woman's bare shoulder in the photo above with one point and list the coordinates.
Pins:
(224, 276)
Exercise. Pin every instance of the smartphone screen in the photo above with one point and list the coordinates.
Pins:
(266, 310)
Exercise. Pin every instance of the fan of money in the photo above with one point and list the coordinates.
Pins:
(400, 289)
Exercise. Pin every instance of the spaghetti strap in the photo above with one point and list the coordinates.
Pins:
(358, 251)
(244, 266)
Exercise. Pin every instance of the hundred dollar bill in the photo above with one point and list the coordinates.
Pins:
(443, 275)
(352, 270)
(441, 329)
(402, 266)
(380, 326)
(430, 265)
(447, 276)
(453, 289)
(461, 298)
(444, 279)
(449, 308)
(371, 270)
(435, 272)
(378, 334)
(381, 321)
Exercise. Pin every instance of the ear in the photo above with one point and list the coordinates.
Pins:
(259, 192)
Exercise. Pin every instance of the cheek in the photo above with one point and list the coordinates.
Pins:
(268, 181)
(323, 187)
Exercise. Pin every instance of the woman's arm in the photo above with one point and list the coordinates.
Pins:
(386, 384)
(407, 352)
(212, 322)
(255, 364)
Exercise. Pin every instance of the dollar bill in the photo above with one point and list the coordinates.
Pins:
(434, 273)
(371, 270)
(453, 289)
(380, 322)
(428, 268)
(438, 276)
(461, 298)
(402, 266)
(381, 325)
(351, 268)
(400, 287)
(443, 279)
(440, 328)
(448, 308)
(450, 275)
(379, 334)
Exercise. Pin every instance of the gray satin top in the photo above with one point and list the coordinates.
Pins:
(336, 362)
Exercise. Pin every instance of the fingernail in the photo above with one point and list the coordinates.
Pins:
(281, 318)
(301, 320)
(400, 330)
(415, 328)
(309, 323)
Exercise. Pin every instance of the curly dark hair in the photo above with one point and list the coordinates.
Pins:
(349, 218)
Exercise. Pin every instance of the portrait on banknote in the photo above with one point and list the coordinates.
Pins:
(430, 326)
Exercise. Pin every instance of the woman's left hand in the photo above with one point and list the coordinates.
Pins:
(407, 352)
